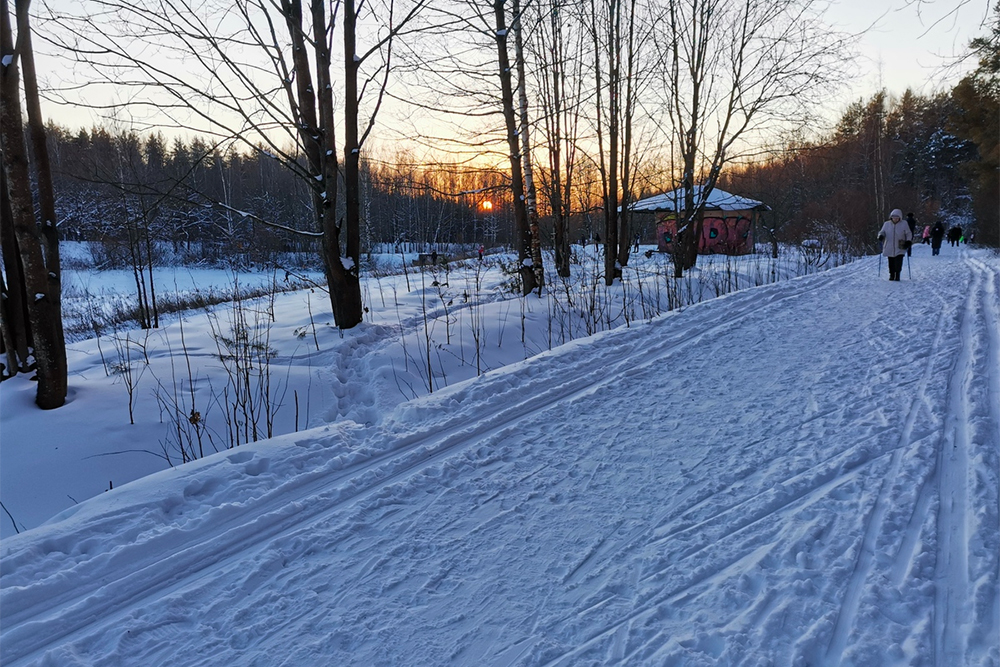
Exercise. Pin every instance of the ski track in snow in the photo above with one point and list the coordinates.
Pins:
(970, 440)
(950, 613)
(848, 611)
(180, 567)
(840, 509)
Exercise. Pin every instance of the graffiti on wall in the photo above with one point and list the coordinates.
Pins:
(722, 234)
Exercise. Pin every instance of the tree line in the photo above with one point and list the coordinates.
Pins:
(119, 189)
(916, 152)
(934, 156)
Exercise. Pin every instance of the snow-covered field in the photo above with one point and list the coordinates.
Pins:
(801, 473)
(132, 392)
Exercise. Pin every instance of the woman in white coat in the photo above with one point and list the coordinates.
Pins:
(896, 237)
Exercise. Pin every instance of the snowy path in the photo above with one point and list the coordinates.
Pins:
(805, 473)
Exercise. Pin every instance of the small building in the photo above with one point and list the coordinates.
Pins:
(729, 220)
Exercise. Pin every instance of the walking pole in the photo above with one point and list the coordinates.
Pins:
(880, 265)
(909, 276)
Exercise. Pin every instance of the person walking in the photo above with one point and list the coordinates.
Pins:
(912, 223)
(927, 234)
(937, 235)
(896, 237)
(954, 234)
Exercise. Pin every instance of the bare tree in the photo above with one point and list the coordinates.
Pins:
(354, 138)
(531, 196)
(731, 70)
(618, 78)
(35, 262)
(524, 240)
(558, 52)
(455, 77)
(259, 75)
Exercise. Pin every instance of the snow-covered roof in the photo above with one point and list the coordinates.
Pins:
(718, 200)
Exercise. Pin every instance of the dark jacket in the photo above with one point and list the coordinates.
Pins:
(937, 231)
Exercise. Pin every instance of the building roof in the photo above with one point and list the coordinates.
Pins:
(718, 200)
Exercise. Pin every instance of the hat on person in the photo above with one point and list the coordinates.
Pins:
(896, 213)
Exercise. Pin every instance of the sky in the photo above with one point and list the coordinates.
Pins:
(906, 43)
(909, 44)
(796, 472)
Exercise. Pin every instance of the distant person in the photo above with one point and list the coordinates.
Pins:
(896, 237)
(937, 235)
(481, 249)
(954, 234)
(927, 234)
(912, 224)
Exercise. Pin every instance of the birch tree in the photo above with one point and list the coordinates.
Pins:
(531, 194)
(526, 268)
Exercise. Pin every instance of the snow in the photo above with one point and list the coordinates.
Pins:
(718, 200)
(799, 473)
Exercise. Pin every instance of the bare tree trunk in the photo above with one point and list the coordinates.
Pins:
(316, 134)
(612, 269)
(878, 170)
(13, 310)
(10, 365)
(523, 230)
(560, 200)
(688, 234)
(40, 276)
(43, 176)
(351, 307)
(531, 200)
(624, 219)
(599, 110)
(615, 45)
(553, 76)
